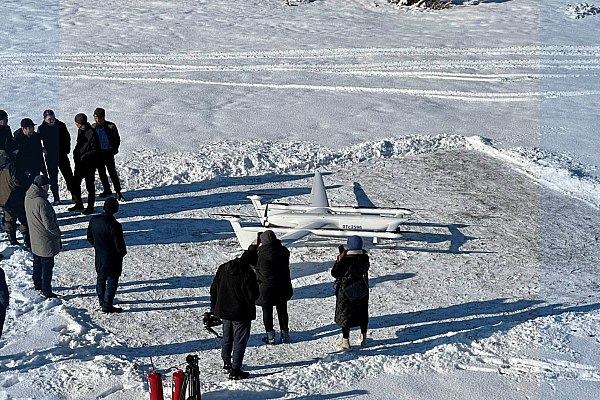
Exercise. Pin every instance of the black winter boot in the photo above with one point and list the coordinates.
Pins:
(12, 238)
(237, 374)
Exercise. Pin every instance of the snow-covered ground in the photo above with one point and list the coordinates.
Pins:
(482, 118)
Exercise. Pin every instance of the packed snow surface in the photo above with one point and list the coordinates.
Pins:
(481, 118)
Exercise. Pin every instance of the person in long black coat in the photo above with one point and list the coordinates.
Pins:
(232, 294)
(273, 276)
(3, 299)
(351, 271)
(30, 156)
(57, 146)
(106, 235)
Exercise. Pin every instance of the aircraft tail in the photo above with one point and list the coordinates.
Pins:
(318, 196)
(244, 236)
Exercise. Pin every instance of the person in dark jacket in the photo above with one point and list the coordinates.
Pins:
(7, 141)
(232, 294)
(109, 138)
(12, 198)
(44, 233)
(106, 235)
(57, 146)
(85, 156)
(3, 299)
(273, 276)
(352, 290)
(30, 156)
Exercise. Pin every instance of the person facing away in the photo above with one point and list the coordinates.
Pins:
(30, 156)
(85, 156)
(57, 145)
(3, 299)
(109, 138)
(352, 290)
(232, 295)
(12, 195)
(44, 234)
(7, 141)
(105, 233)
(273, 276)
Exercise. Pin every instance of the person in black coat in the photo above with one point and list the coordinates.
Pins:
(3, 299)
(7, 141)
(106, 235)
(273, 276)
(30, 156)
(352, 290)
(57, 145)
(85, 156)
(232, 294)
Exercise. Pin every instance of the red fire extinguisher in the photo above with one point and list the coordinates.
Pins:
(156, 388)
(177, 384)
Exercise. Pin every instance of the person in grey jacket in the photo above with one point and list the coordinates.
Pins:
(3, 299)
(44, 234)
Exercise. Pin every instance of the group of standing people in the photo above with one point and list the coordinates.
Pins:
(261, 276)
(29, 165)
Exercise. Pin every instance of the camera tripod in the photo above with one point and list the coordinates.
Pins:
(192, 378)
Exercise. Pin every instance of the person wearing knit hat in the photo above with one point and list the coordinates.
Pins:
(57, 146)
(85, 155)
(352, 290)
(109, 138)
(44, 234)
(105, 233)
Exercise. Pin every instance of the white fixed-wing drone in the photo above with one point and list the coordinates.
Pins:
(292, 222)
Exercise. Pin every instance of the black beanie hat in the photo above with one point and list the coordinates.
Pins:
(81, 119)
(99, 112)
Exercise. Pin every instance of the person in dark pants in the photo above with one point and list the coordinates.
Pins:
(30, 155)
(106, 235)
(57, 146)
(273, 276)
(232, 294)
(85, 156)
(44, 234)
(352, 290)
(3, 299)
(12, 197)
(109, 138)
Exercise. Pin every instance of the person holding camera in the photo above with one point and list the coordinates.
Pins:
(352, 290)
(232, 295)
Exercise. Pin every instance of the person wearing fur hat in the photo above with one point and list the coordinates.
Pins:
(85, 156)
(44, 234)
(105, 233)
(273, 276)
(352, 290)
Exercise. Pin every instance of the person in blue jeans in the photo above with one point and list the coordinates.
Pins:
(3, 299)
(232, 295)
(44, 234)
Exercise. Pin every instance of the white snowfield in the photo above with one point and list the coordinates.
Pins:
(482, 118)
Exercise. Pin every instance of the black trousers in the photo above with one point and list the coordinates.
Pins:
(107, 163)
(87, 172)
(282, 316)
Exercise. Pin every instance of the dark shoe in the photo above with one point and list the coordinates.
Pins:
(50, 295)
(227, 368)
(270, 338)
(105, 193)
(237, 374)
(119, 196)
(112, 309)
(76, 207)
(285, 336)
(88, 211)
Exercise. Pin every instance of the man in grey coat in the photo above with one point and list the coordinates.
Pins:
(44, 234)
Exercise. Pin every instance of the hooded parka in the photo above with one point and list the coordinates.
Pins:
(273, 271)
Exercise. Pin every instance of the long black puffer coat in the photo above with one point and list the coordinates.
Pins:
(352, 267)
(273, 271)
(105, 233)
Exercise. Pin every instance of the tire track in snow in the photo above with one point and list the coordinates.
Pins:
(504, 69)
